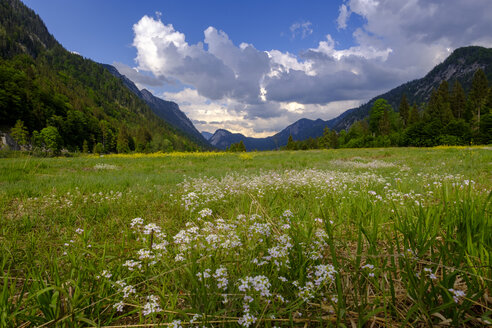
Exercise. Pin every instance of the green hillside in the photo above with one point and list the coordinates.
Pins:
(43, 85)
(460, 66)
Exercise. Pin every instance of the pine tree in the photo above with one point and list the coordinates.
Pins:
(241, 147)
(377, 112)
(445, 113)
(333, 137)
(384, 123)
(324, 140)
(458, 100)
(290, 143)
(413, 116)
(432, 110)
(404, 110)
(478, 94)
(19, 133)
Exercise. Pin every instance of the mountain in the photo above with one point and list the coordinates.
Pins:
(300, 130)
(223, 139)
(167, 110)
(459, 66)
(83, 104)
(22, 31)
(207, 135)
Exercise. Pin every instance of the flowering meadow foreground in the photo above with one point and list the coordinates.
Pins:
(342, 238)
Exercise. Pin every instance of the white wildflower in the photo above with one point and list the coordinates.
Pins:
(119, 306)
(151, 306)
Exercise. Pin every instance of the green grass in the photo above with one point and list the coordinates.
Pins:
(324, 238)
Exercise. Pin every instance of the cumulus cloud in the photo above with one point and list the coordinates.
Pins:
(223, 70)
(251, 90)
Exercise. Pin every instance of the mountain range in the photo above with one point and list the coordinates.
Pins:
(300, 130)
(44, 85)
(459, 66)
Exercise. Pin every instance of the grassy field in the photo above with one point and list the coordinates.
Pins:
(351, 237)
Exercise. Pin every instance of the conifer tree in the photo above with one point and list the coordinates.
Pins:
(290, 143)
(384, 123)
(413, 116)
(458, 100)
(241, 147)
(377, 112)
(333, 137)
(478, 94)
(404, 109)
(324, 140)
(19, 133)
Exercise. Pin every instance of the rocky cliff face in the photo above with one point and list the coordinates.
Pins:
(167, 110)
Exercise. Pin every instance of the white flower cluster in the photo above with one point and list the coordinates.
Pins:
(131, 265)
(360, 164)
(318, 276)
(247, 319)
(205, 212)
(104, 166)
(260, 284)
(221, 276)
(152, 305)
(201, 191)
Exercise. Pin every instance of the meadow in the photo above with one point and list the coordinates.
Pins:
(345, 238)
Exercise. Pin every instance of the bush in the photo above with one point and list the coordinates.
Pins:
(51, 139)
(98, 148)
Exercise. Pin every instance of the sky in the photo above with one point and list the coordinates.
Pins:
(254, 67)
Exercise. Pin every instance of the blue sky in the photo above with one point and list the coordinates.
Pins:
(102, 29)
(257, 66)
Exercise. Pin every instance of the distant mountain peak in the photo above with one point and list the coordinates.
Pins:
(299, 130)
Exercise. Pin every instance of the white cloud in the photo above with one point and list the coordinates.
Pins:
(210, 115)
(343, 16)
(285, 61)
(302, 29)
(366, 51)
(253, 91)
(140, 79)
(223, 70)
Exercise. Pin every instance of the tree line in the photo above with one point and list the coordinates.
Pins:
(59, 100)
(450, 117)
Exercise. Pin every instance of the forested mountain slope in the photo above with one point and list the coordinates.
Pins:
(75, 101)
(459, 66)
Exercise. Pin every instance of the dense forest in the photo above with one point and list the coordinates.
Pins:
(51, 98)
(450, 117)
